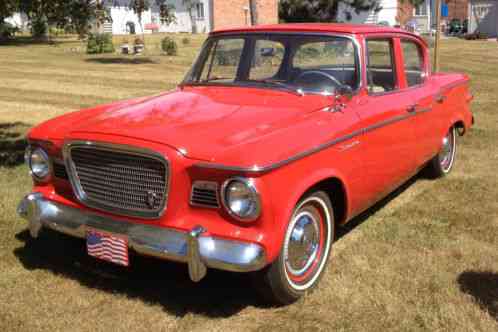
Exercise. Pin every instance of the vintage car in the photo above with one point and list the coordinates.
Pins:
(277, 135)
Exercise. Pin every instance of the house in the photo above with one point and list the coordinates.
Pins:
(19, 20)
(204, 16)
(399, 12)
(483, 17)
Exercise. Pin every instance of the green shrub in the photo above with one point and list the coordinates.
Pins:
(186, 41)
(169, 46)
(39, 27)
(7, 30)
(99, 43)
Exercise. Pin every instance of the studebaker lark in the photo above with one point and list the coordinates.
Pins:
(277, 135)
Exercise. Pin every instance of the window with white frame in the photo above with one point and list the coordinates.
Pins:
(421, 9)
(199, 9)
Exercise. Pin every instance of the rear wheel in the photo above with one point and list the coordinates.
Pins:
(305, 251)
(442, 163)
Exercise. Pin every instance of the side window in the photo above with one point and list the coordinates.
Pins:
(414, 62)
(381, 73)
(267, 59)
(335, 57)
(223, 60)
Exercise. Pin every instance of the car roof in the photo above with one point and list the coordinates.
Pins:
(343, 28)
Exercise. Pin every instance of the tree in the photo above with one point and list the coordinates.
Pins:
(141, 6)
(320, 10)
(325, 10)
(7, 8)
(189, 5)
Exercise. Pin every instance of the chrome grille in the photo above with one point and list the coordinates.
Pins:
(205, 194)
(117, 180)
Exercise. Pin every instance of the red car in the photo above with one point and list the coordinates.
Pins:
(277, 135)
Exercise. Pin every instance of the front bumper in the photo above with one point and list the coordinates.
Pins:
(198, 251)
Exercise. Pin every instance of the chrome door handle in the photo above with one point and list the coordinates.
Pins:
(440, 98)
(411, 108)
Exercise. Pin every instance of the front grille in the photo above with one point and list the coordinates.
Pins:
(121, 181)
(205, 194)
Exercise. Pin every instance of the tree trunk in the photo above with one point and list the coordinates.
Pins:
(253, 9)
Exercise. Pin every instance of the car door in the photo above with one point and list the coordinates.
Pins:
(426, 101)
(388, 136)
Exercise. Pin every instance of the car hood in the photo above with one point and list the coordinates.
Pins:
(202, 123)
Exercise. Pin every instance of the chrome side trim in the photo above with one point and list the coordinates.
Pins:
(318, 148)
(80, 193)
(193, 248)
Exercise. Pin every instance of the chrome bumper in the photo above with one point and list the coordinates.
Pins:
(198, 251)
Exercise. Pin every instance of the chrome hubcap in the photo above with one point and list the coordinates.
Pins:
(303, 244)
(446, 155)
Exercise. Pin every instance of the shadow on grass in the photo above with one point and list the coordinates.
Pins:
(12, 143)
(220, 294)
(122, 61)
(483, 287)
(27, 41)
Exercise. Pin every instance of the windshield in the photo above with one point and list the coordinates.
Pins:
(301, 63)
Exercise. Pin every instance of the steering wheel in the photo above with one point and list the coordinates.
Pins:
(326, 75)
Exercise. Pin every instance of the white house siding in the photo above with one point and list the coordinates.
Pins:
(387, 13)
(121, 15)
(18, 20)
(484, 17)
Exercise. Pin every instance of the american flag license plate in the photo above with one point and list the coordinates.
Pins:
(107, 247)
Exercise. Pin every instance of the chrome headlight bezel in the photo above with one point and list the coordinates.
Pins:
(44, 171)
(252, 192)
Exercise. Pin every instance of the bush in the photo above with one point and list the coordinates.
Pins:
(7, 30)
(185, 41)
(99, 43)
(169, 46)
(39, 27)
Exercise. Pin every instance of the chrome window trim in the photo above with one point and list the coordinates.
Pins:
(250, 184)
(350, 36)
(80, 193)
(214, 186)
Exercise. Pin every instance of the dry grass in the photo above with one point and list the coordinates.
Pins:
(424, 259)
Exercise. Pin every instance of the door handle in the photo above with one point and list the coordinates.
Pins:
(412, 108)
(440, 98)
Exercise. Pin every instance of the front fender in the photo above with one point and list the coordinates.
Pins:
(287, 203)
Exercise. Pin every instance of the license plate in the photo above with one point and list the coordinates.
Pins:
(107, 247)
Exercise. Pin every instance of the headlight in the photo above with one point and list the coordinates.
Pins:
(38, 162)
(241, 199)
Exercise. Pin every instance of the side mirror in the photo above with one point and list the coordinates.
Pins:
(345, 92)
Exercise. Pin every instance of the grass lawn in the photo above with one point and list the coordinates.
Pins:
(424, 259)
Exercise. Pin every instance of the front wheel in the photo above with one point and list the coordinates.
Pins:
(304, 253)
(443, 162)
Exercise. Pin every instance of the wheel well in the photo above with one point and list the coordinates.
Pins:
(336, 192)
(460, 127)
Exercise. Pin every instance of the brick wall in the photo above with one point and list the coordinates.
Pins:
(267, 11)
(458, 9)
(405, 12)
(235, 13)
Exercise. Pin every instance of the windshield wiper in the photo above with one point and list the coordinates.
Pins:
(282, 85)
